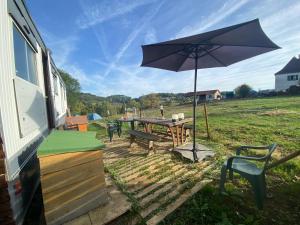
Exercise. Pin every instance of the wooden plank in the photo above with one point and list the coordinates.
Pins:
(66, 212)
(54, 163)
(140, 134)
(175, 169)
(2, 166)
(3, 182)
(82, 220)
(164, 189)
(172, 207)
(72, 175)
(68, 194)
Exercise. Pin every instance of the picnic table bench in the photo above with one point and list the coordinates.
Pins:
(150, 138)
(176, 130)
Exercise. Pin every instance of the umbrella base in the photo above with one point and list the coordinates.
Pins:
(202, 152)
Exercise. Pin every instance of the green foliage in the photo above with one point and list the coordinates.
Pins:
(72, 87)
(243, 91)
(150, 101)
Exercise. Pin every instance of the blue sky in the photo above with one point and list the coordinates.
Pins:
(99, 41)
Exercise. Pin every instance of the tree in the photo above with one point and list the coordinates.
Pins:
(243, 91)
(72, 87)
(150, 101)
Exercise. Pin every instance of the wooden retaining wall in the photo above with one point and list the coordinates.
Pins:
(72, 184)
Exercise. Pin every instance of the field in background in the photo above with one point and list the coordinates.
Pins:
(244, 122)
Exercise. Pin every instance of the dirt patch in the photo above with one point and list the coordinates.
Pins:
(277, 112)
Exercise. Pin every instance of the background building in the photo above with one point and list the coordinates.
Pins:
(289, 75)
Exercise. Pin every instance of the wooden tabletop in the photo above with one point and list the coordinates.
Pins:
(164, 122)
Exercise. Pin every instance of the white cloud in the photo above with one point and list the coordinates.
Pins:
(226, 10)
(133, 35)
(106, 10)
(62, 47)
(150, 36)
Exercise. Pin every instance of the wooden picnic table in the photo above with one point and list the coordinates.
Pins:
(176, 129)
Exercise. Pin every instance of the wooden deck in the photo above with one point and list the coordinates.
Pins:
(157, 184)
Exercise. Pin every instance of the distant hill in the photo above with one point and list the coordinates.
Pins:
(88, 98)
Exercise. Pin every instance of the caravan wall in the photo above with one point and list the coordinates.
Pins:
(32, 101)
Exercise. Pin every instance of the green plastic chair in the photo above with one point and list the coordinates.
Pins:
(113, 126)
(249, 170)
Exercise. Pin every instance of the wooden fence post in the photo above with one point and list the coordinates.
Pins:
(206, 120)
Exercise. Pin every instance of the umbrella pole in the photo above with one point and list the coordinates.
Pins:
(194, 112)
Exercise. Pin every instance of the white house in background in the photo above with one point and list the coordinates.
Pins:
(289, 75)
(208, 95)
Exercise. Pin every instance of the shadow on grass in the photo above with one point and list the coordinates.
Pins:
(210, 207)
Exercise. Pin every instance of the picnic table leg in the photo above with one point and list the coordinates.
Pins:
(173, 136)
(132, 124)
(177, 135)
(182, 134)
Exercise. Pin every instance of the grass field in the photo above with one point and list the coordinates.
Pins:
(245, 122)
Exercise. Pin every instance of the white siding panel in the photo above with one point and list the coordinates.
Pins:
(282, 83)
(13, 143)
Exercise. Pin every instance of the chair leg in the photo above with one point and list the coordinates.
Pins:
(110, 134)
(151, 147)
(131, 140)
(230, 174)
(259, 189)
(223, 178)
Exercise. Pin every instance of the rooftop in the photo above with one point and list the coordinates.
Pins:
(207, 92)
(293, 66)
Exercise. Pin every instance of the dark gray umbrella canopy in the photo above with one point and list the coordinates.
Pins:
(218, 48)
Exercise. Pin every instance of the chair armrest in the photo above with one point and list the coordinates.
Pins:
(245, 147)
(230, 160)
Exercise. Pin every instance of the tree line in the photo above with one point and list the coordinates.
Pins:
(83, 103)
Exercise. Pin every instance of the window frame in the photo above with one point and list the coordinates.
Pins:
(27, 44)
(294, 77)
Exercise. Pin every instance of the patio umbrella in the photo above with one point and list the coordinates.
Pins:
(218, 48)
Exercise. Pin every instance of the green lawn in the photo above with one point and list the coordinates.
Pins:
(245, 122)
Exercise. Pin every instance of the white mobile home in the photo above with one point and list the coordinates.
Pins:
(32, 101)
(288, 76)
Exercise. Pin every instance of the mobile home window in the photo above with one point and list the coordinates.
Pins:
(25, 61)
(55, 84)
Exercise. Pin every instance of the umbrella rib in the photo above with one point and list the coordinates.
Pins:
(198, 56)
(186, 57)
(208, 53)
